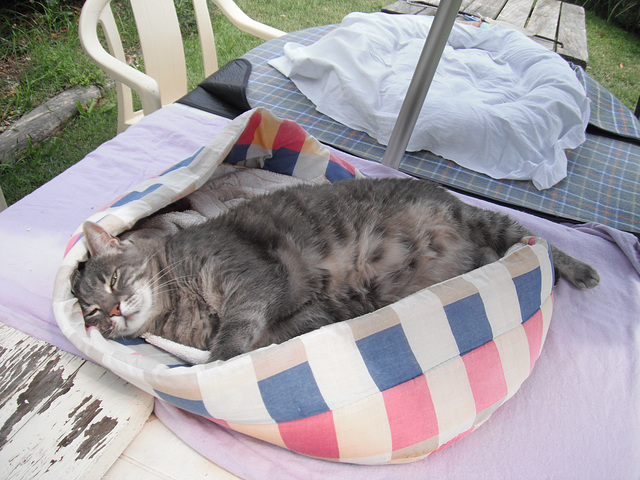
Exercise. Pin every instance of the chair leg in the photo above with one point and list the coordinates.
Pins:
(637, 112)
(3, 202)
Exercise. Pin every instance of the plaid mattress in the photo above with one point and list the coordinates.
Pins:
(603, 174)
(392, 386)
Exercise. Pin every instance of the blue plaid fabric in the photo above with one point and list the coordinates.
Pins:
(603, 181)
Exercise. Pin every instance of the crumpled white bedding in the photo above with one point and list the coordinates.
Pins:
(499, 104)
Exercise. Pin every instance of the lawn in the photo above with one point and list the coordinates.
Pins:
(40, 56)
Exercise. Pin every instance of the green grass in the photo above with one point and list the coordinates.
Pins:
(614, 59)
(40, 56)
(40, 163)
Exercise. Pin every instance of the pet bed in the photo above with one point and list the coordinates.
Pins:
(392, 386)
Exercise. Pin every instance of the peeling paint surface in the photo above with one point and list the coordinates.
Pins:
(60, 416)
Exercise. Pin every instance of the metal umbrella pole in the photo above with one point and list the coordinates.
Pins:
(421, 81)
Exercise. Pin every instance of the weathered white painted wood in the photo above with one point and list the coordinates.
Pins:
(60, 416)
(156, 453)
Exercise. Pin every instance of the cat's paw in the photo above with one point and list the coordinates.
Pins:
(582, 276)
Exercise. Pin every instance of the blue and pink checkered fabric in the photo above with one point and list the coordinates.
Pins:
(391, 386)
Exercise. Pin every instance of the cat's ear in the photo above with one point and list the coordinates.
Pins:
(99, 241)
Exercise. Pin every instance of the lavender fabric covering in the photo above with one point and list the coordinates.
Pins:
(577, 416)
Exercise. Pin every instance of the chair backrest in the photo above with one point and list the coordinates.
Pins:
(165, 77)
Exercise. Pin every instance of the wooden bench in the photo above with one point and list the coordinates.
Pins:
(559, 26)
(64, 417)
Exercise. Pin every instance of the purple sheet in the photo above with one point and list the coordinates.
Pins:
(577, 416)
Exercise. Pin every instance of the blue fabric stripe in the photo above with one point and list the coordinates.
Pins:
(528, 288)
(292, 394)
(283, 161)
(183, 163)
(389, 357)
(337, 172)
(193, 406)
(135, 195)
(469, 323)
(238, 154)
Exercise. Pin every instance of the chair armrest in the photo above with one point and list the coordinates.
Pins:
(246, 23)
(145, 86)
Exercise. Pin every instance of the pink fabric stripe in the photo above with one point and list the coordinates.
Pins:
(344, 164)
(218, 421)
(72, 242)
(454, 440)
(290, 136)
(315, 436)
(486, 376)
(412, 417)
(247, 135)
(534, 328)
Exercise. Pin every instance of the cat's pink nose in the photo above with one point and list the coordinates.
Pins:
(115, 310)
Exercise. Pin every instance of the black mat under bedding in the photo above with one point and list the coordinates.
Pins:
(224, 92)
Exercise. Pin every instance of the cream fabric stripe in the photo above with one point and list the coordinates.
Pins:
(268, 362)
(513, 348)
(341, 377)
(541, 251)
(416, 451)
(255, 154)
(499, 295)
(230, 392)
(363, 432)
(184, 384)
(452, 399)
(373, 322)
(268, 432)
(547, 310)
(310, 166)
(520, 262)
(427, 329)
(453, 290)
(131, 372)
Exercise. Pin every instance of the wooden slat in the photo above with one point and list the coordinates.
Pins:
(516, 12)
(486, 8)
(158, 454)
(544, 19)
(548, 44)
(404, 7)
(572, 34)
(465, 6)
(60, 416)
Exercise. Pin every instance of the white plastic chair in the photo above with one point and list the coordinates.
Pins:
(165, 77)
(3, 202)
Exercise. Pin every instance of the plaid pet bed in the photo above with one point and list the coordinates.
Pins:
(392, 386)
(603, 174)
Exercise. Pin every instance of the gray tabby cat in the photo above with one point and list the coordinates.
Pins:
(286, 263)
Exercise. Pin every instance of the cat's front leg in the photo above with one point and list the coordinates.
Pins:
(236, 335)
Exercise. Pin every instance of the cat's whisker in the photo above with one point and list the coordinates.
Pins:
(173, 281)
(163, 272)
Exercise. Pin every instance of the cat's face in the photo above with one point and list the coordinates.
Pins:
(114, 288)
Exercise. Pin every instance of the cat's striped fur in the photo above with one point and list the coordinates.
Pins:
(286, 263)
